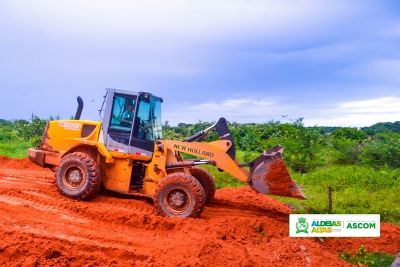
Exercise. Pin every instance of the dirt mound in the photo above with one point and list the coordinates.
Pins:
(24, 163)
(239, 228)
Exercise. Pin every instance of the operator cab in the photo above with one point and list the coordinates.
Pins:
(132, 122)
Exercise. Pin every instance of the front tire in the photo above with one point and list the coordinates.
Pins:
(78, 176)
(179, 195)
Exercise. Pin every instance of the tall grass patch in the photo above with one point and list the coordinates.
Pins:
(356, 189)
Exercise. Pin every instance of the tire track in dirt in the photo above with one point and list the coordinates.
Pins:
(56, 223)
(62, 227)
(134, 213)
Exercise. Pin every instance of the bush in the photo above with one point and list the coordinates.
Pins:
(6, 133)
(169, 133)
(346, 151)
(303, 147)
(31, 131)
(346, 144)
(350, 134)
(247, 138)
(382, 150)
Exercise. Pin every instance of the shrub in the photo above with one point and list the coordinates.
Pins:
(303, 147)
(346, 151)
(247, 138)
(31, 131)
(170, 134)
(349, 133)
(382, 150)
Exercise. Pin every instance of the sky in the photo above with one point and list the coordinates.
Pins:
(334, 63)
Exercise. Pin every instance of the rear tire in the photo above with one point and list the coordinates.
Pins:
(179, 195)
(206, 180)
(78, 176)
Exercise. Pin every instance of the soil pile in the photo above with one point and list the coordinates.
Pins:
(38, 226)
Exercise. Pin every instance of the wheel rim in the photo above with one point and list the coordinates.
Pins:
(177, 201)
(74, 178)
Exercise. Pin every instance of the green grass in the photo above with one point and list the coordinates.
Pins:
(15, 149)
(356, 189)
(11, 145)
(366, 258)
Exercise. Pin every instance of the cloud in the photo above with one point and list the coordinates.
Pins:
(234, 104)
(358, 113)
(234, 109)
(350, 113)
(202, 21)
(378, 105)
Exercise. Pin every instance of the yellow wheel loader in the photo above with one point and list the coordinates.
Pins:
(126, 153)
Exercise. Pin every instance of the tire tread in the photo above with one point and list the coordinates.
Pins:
(181, 178)
(206, 180)
(93, 171)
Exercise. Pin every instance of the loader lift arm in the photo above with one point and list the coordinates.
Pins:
(221, 127)
(268, 173)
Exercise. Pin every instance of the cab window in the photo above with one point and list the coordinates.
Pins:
(122, 113)
(148, 120)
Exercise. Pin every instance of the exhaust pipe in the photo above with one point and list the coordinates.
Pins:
(79, 110)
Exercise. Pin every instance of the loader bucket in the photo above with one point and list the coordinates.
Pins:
(269, 175)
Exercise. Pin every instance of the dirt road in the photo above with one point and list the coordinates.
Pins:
(38, 226)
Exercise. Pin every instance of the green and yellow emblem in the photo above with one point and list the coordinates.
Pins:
(302, 226)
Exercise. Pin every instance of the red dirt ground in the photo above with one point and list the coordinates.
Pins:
(40, 227)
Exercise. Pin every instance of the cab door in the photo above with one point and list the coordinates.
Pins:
(147, 126)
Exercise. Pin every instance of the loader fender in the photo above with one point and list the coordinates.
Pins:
(94, 148)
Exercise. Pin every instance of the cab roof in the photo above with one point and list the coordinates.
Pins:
(128, 92)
